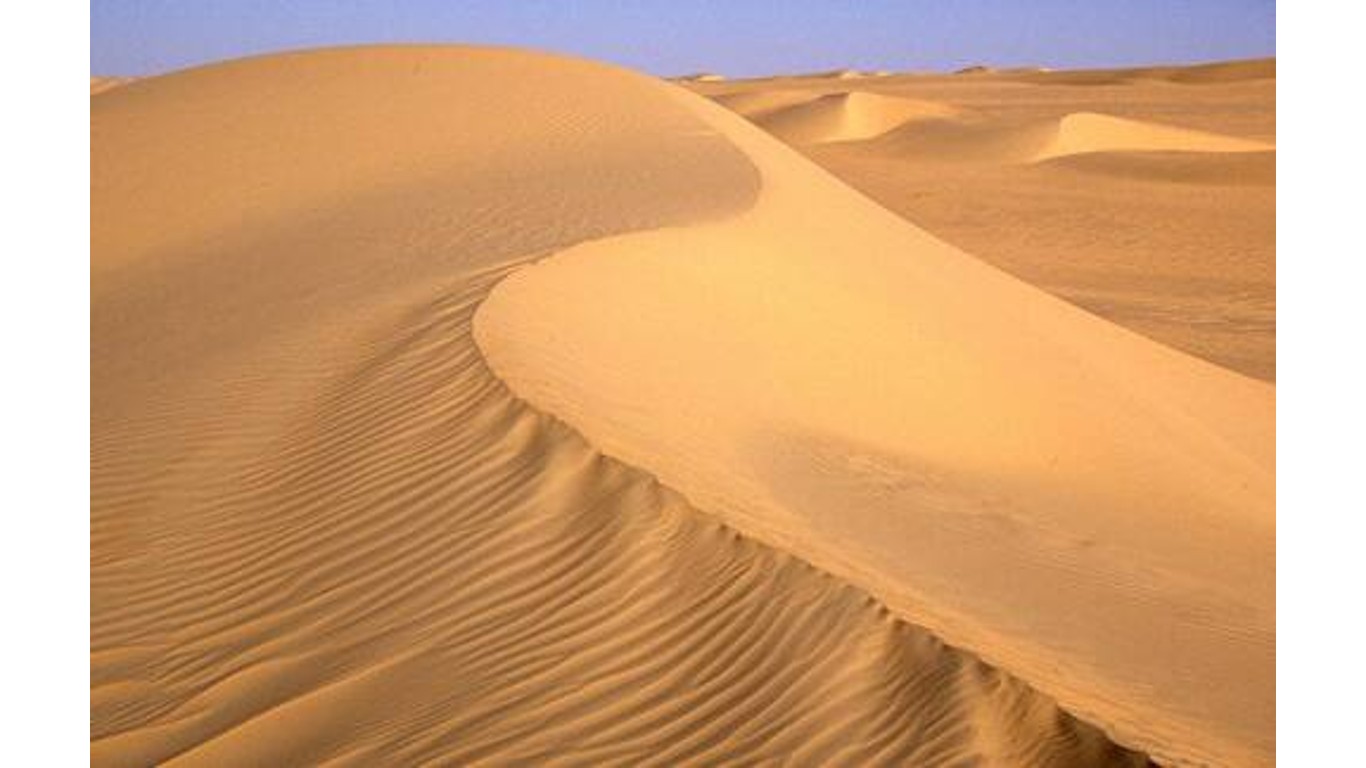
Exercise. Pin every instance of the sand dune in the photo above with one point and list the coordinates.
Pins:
(755, 104)
(943, 137)
(101, 84)
(1123, 191)
(324, 531)
(839, 74)
(1221, 72)
(1082, 506)
(1219, 169)
(941, 131)
(840, 116)
(701, 77)
(1082, 132)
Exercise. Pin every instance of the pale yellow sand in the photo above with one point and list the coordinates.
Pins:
(1144, 195)
(1083, 506)
(323, 531)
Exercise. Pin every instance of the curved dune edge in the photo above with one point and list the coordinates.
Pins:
(323, 531)
(846, 116)
(1073, 502)
(1088, 132)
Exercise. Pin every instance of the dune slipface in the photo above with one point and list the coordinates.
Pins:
(323, 531)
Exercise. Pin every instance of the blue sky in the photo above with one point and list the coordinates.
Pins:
(736, 38)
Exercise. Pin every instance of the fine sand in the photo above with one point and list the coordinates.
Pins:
(1146, 196)
(478, 406)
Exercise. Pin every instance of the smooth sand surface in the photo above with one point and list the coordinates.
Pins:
(325, 532)
(847, 116)
(1146, 196)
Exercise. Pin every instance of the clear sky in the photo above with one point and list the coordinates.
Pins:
(732, 37)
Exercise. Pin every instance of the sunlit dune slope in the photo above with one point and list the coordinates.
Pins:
(1146, 195)
(1081, 505)
(1085, 132)
(324, 532)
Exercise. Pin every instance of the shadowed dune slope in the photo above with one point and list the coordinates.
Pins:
(323, 532)
(752, 104)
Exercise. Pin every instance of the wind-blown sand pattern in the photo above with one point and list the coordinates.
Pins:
(325, 530)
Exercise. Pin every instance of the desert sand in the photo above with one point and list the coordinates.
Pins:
(480, 406)
(101, 84)
(1146, 196)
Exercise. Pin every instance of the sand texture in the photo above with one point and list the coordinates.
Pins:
(481, 407)
(1146, 196)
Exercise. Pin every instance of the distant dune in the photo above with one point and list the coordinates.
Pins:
(754, 103)
(843, 116)
(101, 84)
(1145, 195)
(971, 140)
(701, 77)
(837, 74)
(799, 118)
(1085, 132)
(1223, 72)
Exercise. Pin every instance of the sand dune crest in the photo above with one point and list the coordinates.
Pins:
(324, 532)
(1085, 507)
